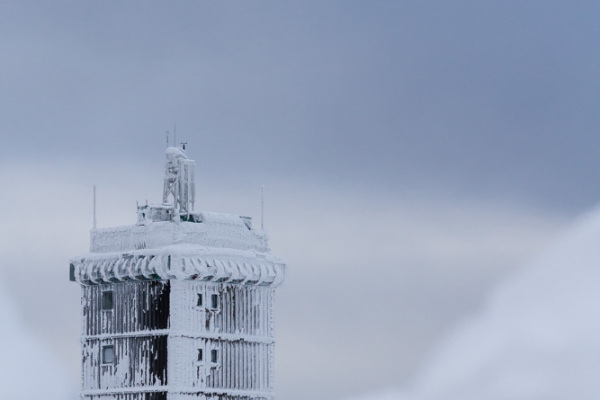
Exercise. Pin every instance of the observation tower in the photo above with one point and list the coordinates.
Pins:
(178, 306)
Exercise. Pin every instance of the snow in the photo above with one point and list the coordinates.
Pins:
(537, 337)
(174, 153)
(215, 246)
(215, 230)
(181, 261)
(179, 181)
(221, 248)
(27, 371)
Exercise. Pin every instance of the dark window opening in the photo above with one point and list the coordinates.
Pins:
(107, 300)
(213, 356)
(199, 303)
(214, 300)
(200, 355)
(108, 355)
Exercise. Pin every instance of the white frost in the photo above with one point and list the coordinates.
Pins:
(215, 230)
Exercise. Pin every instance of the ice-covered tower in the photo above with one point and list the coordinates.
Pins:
(179, 305)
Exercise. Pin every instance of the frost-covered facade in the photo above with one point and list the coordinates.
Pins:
(180, 305)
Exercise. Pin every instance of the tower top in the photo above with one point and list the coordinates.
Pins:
(179, 190)
(173, 241)
(179, 181)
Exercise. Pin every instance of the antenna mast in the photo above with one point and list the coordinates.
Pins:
(179, 181)
(94, 206)
(262, 207)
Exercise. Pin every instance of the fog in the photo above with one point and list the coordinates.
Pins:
(536, 337)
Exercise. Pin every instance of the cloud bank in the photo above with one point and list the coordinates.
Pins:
(27, 371)
(391, 273)
(536, 339)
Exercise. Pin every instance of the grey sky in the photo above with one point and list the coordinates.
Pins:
(439, 143)
(490, 97)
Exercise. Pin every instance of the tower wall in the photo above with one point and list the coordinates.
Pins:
(159, 326)
(137, 306)
(135, 325)
(242, 310)
(238, 333)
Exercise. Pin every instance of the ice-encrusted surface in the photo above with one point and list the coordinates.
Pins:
(216, 230)
(247, 267)
(219, 248)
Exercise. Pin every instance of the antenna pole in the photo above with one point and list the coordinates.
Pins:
(94, 206)
(262, 207)
(174, 135)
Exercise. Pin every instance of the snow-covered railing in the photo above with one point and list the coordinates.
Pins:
(215, 230)
(180, 262)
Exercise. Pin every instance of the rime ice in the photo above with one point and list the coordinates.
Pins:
(180, 305)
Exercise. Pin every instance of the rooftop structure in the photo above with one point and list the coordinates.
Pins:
(179, 305)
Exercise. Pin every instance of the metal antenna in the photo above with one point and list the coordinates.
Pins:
(95, 207)
(262, 207)
(174, 135)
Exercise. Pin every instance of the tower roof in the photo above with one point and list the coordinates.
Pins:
(171, 241)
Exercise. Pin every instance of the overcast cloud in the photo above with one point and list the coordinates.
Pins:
(413, 154)
(493, 97)
(533, 339)
(372, 283)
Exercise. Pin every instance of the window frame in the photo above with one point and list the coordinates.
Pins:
(214, 301)
(108, 297)
(103, 356)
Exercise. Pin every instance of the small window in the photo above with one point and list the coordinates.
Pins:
(107, 300)
(199, 302)
(200, 355)
(213, 356)
(108, 355)
(214, 300)
(72, 272)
